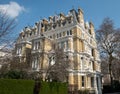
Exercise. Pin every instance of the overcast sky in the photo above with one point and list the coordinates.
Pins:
(28, 12)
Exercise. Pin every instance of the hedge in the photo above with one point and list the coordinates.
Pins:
(13, 86)
(18, 86)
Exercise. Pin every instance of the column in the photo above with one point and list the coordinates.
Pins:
(71, 81)
(99, 86)
(39, 27)
(95, 84)
(79, 81)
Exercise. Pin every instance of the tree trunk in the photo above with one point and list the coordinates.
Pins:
(110, 69)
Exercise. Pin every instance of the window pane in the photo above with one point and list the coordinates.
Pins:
(67, 32)
(70, 32)
(82, 81)
(92, 82)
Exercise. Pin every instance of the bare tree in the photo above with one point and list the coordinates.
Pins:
(58, 63)
(104, 66)
(116, 66)
(15, 67)
(59, 70)
(116, 69)
(108, 42)
(16, 64)
(7, 25)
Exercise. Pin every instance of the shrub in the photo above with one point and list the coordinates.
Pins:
(86, 91)
(15, 74)
(114, 88)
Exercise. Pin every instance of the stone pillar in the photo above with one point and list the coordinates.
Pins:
(70, 81)
(86, 82)
(95, 84)
(77, 45)
(89, 82)
(99, 86)
(77, 62)
(79, 82)
(39, 28)
(71, 63)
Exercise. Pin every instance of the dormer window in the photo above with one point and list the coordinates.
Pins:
(64, 23)
(23, 36)
(67, 32)
(69, 21)
(59, 24)
(30, 33)
(89, 31)
(54, 26)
